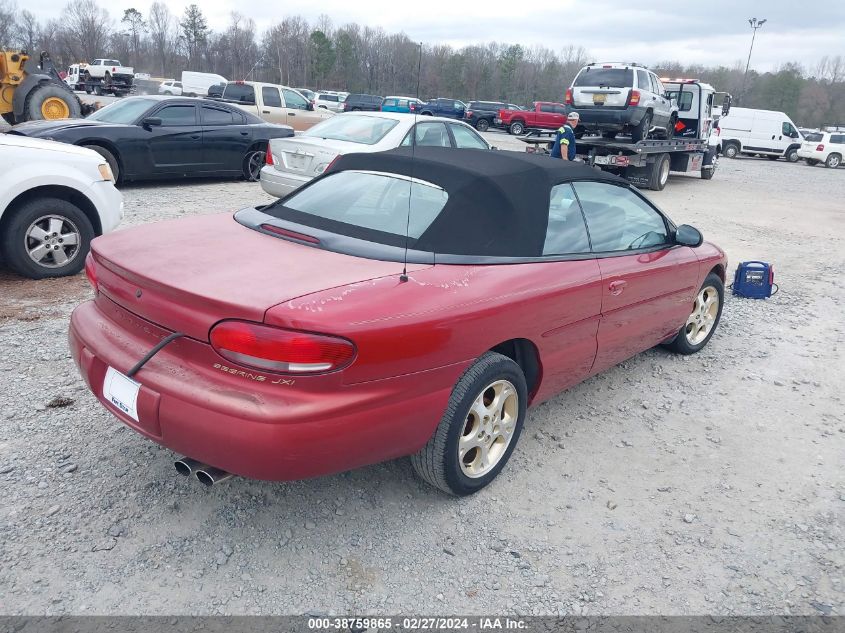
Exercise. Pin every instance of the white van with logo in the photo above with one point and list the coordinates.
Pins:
(765, 132)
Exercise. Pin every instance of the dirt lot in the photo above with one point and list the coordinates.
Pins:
(711, 484)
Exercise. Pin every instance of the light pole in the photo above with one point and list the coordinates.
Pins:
(755, 24)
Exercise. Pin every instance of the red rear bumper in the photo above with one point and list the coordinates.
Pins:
(194, 403)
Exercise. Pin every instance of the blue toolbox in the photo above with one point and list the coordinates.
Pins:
(754, 280)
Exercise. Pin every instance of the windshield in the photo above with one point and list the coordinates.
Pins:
(606, 77)
(365, 204)
(368, 130)
(814, 137)
(124, 112)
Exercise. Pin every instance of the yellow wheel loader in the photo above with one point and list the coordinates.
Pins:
(31, 90)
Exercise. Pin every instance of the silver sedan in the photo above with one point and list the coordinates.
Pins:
(292, 162)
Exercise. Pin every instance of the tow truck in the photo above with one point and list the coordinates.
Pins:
(647, 163)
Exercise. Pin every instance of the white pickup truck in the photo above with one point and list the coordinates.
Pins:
(106, 75)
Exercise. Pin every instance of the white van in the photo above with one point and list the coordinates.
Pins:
(196, 84)
(765, 132)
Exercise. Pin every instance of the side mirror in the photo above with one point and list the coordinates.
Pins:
(309, 106)
(151, 121)
(687, 235)
(493, 147)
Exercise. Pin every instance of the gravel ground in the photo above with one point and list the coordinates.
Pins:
(710, 484)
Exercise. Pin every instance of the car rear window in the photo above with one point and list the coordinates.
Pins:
(365, 204)
(606, 77)
(368, 130)
(244, 93)
(814, 137)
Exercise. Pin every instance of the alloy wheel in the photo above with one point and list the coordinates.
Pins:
(254, 163)
(488, 429)
(52, 241)
(705, 310)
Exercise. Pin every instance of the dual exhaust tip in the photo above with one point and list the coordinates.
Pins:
(205, 474)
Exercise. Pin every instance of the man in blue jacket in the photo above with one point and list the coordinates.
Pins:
(565, 138)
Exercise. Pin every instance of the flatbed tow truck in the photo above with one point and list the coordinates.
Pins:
(647, 163)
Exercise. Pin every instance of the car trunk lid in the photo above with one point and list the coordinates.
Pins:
(308, 156)
(186, 275)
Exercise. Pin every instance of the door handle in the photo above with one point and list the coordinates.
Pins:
(773, 137)
(265, 112)
(195, 136)
(291, 113)
(244, 133)
(616, 287)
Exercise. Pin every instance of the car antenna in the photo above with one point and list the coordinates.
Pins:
(404, 276)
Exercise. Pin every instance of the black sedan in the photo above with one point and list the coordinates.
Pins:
(151, 137)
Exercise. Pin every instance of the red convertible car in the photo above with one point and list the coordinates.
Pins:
(412, 302)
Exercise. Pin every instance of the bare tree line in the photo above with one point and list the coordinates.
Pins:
(359, 58)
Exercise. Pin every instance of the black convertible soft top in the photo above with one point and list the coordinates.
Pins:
(498, 201)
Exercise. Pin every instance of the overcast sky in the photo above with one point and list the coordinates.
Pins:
(709, 32)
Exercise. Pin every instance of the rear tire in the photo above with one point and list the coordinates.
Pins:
(253, 162)
(517, 128)
(111, 159)
(659, 175)
(488, 401)
(833, 161)
(482, 125)
(27, 231)
(693, 336)
(641, 130)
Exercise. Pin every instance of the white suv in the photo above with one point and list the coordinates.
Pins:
(625, 98)
(170, 88)
(823, 147)
(330, 101)
(54, 199)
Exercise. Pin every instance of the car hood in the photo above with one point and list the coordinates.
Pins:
(11, 140)
(186, 275)
(48, 128)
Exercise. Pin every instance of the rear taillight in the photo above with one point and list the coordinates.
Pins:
(268, 157)
(279, 350)
(568, 99)
(820, 148)
(634, 98)
(91, 272)
(468, 114)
